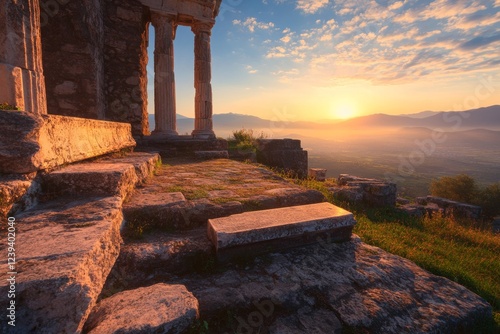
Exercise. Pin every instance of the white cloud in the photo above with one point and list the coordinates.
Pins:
(250, 69)
(311, 6)
(251, 23)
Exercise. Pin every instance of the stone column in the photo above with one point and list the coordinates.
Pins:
(203, 127)
(165, 115)
(21, 74)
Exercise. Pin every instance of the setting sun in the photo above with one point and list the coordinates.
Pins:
(343, 111)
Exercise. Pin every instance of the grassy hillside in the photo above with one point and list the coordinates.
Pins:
(444, 247)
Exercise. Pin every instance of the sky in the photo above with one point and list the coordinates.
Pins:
(316, 60)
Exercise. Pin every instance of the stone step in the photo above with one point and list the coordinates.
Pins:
(207, 155)
(149, 209)
(160, 308)
(267, 230)
(159, 257)
(106, 177)
(65, 250)
(17, 192)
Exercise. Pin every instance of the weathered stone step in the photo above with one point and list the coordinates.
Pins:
(65, 250)
(158, 257)
(206, 155)
(267, 230)
(160, 308)
(106, 177)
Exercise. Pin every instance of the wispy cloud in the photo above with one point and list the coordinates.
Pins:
(383, 42)
(252, 24)
(311, 6)
(250, 69)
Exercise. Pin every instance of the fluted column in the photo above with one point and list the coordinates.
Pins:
(165, 114)
(203, 127)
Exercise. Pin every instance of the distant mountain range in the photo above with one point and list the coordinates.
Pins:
(482, 118)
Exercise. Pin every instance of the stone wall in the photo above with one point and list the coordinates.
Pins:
(72, 42)
(284, 154)
(125, 61)
(21, 73)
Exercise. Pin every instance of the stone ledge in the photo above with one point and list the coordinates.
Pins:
(29, 142)
(65, 251)
(278, 228)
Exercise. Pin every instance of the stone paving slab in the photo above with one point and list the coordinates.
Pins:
(290, 226)
(160, 308)
(65, 249)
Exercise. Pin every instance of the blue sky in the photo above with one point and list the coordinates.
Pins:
(320, 59)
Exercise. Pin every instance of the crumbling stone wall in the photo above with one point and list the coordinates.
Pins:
(95, 58)
(72, 45)
(284, 154)
(125, 61)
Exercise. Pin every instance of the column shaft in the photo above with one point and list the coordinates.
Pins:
(202, 81)
(165, 113)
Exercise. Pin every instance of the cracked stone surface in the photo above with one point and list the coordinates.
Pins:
(366, 288)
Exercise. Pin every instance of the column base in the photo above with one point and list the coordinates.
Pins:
(164, 134)
(203, 134)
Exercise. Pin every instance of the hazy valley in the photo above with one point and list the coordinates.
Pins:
(408, 149)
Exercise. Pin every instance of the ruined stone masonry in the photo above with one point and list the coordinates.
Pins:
(76, 70)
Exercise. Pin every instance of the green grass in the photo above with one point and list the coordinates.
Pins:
(468, 256)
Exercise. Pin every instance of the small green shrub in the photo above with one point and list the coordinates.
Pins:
(6, 106)
(244, 140)
(461, 188)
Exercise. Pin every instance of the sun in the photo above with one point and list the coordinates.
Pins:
(343, 111)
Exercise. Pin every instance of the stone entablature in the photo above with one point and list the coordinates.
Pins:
(187, 12)
(165, 17)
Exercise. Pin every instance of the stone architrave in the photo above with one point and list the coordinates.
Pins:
(202, 80)
(165, 114)
(21, 75)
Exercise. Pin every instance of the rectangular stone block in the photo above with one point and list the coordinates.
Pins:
(275, 229)
(30, 142)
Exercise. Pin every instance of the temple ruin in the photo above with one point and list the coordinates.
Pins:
(88, 59)
(73, 89)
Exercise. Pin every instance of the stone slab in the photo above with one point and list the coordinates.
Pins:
(160, 308)
(64, 252)
(30, 142)
(106, 177)
(275, 225)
